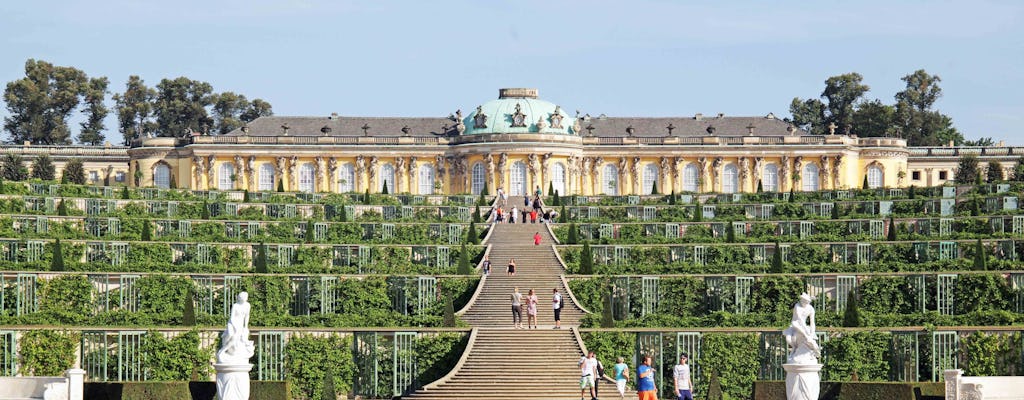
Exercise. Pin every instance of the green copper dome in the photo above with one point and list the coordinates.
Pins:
(518, 111)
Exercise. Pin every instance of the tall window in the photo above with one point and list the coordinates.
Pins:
(307, 178)
(266, 179)
(875, 178)
(770, 179)
(558, 179)
(224, 181)
(650, 178)
(810, 177)
(610, 180)
(517, 180)
(346, 178)
(426, 179)
(479, 176)
(162, 176)
(387, 175)
(690, 178)
(729, 179)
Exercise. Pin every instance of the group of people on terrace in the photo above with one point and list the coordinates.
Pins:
(592, 373)
(530, 301)
(532, 210)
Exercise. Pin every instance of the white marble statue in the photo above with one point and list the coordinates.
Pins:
(803, 381)
(235, 350)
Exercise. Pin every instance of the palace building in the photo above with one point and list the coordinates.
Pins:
(520, 142)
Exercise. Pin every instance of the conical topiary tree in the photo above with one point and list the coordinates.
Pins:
(309, 232)
(556, 199)
(471, 236)
(449, 312)
(124, 193)
(777, 259)
(476, 214)
(980, 258)
(482, 201)
(260, 263)
(464, 267)
(851, 315)
(329, 393)
(835, 211)
(563, 217)
(245, 196)
(672, 198)
(204, 213)
(730, 232)
(912, 192)
(573, 236)
(865, 185)
(366, 196)
(384, 188)
(792, 194)
(608, 312)
(654, 188)
(715, 387)
(62, 208)
(892, 229)
(698, 212)
(586, 260)
(760, 186)
(342, 214)
(551, 188)
(57, 261)
(147, 231)
(188, 313)
(280, 185)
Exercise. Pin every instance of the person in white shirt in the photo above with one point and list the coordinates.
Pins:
(681, 376)
(588, 375)
(556, 305)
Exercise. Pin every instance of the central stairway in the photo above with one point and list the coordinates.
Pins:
(502, 362)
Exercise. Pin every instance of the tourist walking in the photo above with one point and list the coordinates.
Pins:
(621, 372)
(556, 305)
(486, 266)
(531, 310)
(501, 196)
(512, 215)
(645, 388)
(681, 375)
(517, 308)
(511, 267)
(588, 374)
(533, 216)
(536, 238)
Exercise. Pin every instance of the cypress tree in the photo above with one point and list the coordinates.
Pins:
(245, 196)
(551, 188)
(62, 208)
(698, 212)
(672, 198)
(464, 268)
(607, 313)
(654, 188)
(865, 184)
(188, 313)
(483, 196)
(892, 229)
(730, 232)
(173, 183)
(715, 387)
(147, 231)
(205, 212)
(912, 192)
(760, 186)
(366, 196)
(342, 213)
(573, 235)
(309, 232)
(556, 199)
(975, 207)
(792, 194)
(980, 259)
(476, 214)
(449, 312)
(851, 316)
(384, 189)
(777, 259)
(260, 264)
(586, 260)
(835, 210)
(57, 261)
(280, 185)
(329, 392)
(124, 193)
(471, 236)
(562, 216)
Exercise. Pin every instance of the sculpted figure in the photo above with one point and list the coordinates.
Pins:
(236, 348)
(800, 335)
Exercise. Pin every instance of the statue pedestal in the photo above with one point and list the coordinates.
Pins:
(802, 381)
(233, 381)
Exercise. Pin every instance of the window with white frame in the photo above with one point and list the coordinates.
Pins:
(479, 176)
(120, 175)
(226, 176)
(307, 178)
(770, 178)
(650, 178)
(517, 180)
(266, 178)
(558, 179)
(730, 181)
(387, 175)
(875, 178)
(426, 179)
(346, 178)
(610, 180)
(690, 178)
(809, 177)
(162, 176)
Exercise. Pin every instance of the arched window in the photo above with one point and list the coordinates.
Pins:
(875, 177)
(690, 179)
(387, 175)
(610, 180)
(162, 176)
(810, 177)
(266, 180)
(517, 180)
(426, 179)
(558, 179)
(225, 178)
(346, 178)
(307, 178)
(650, 178)
(730, 183)
(770, 178)
(479, 177)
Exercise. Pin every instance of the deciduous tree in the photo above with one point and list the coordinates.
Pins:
(92, 128)
(916, 120)
(42, 168)
(967, 170)
(13, 168)
(74, 172)
(181, 106)
(41, 102)
(135, 109)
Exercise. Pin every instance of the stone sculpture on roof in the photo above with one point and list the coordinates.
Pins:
(518, 118)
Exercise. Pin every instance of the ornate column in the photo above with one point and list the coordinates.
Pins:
(360, 171)
(502, 165)
(798, 167)
(197, 172)
(292, 184)
(492, 187)
(250, 173)
(400, 175)
(332, 171)
(635, 172)
(531, 166)
(716, 170)
(210, 160)
(784, 174)
(372, 174)
(677, 169)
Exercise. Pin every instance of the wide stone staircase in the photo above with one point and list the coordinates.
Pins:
(502, 362)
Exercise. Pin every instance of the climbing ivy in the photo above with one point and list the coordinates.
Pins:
(176, 359)
(46, 352)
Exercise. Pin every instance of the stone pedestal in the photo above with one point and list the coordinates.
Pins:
(802, 381)
(232, 381)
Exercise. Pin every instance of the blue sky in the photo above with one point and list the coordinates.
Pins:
(627, 58)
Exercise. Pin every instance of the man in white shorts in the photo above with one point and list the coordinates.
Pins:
(588, 375)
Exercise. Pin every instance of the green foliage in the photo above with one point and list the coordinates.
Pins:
(912, 192)
(573, 234)
(730, 232)
(777, 267)
(13, 168)
(57, 260)
(67, 296)
(46, 352)
(607, 317)
(464, 267)
(851, 315)
(366, 196)
(672, 198)
(74, 172)
(312, 359)
(476, 215)
(472, 237)
(995, 172)
(42, 168)
(715, 387)
(188, 313)
(245, 196)
(176, 359)
(449, 313)
(860, 353)
(260, 263)
(147, 231)
(892, 230)
(124, 193)
(556, 199)
(41, 103)
(309, 237)
(865, 185)
(698, 212)
(586, 260)
(280, 185)
(736, 360)
(967, 170)
(482, 201)
(342, 214)
(551, 189)
(562, 216)
(980, 258)
(835, 211)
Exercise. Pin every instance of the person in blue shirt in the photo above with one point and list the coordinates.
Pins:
(645, 388)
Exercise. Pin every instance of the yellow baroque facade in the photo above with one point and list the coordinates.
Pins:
(520, 143)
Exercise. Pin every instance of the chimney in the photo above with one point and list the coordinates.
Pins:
(721, 115)
(699, 117)
(334, 115)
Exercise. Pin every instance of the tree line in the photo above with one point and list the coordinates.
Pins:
(42, 102)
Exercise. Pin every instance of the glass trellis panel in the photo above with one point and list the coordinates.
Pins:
(945, 226)
(233, 229)
(285, 255)
(387, 231)
(784, 248)
(95, 355)
(885, 208)
(184, 228)
(129, 292)
(203, 253)
(621, 255)
(101, 298)
(921, 251)
(877, 229)
(948, 191)
(996, 224)
(919, 291)
(773, 355)
(42, 224)
(713, 295)
(676, 253)
(863, 253)
(8, 354)
(270, 356)
(709, 212)
(905, 357)
(421, 255)
(593, 212)
(1018, 224)
(945, 285)
(426, 290)
(172, 208)
(633, 213)
(743, 285)
(204, 293)
(606, 231)
(672, 231)
(649, 294)
(816, 288)
(946, 207)
(319, 231)
(650, 213)
(601, 255)
(739, 229)
(759, 255)
(27, 301)
(825, 209)
(1009, 203)
(34, 250)
(389, 212)
(689, 343)
(404, 364)
(300, 295)
(232, 285)
(130, 360)
(700, 256)
(1002, 188)
(118, 253)
(454, 234)
(442, 257)
(767, 210)
(845, 287)
(649, 344)
(1017, 284)
(947, 250)
(620, 297)
(806, 229)
(364, 355)
(944, 353)
(328, 294)
(399, 291)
